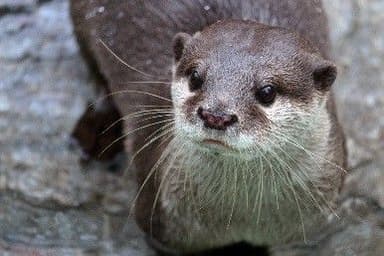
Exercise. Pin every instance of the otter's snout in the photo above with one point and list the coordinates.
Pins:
(216, 120)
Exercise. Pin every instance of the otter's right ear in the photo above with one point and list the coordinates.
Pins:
(179, 42)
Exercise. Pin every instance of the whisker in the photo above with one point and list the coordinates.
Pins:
(299, 210)
(274, 189)
(293, 172)
(245, 184)
(128, 91)
(154, 168)
(291, 187)
(234, 195)
(261, 186)
(301, 181)
(308, 152)
(137, 115)
(156, 116)
(164, 133)
(147, 82)
(163, 179)
(162, 128)
(133, 131)
(165, 139)
(153, 106)
(138, 92)
(122, 61)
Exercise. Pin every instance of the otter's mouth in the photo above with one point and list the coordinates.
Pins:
(215, 143)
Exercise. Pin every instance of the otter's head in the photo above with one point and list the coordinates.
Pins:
(240, 85)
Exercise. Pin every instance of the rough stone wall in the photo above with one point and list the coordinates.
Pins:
(52, 205)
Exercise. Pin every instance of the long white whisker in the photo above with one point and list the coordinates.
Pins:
(164, 175)
(122, 61)
(164, 133)
(129, 91)
(234, 195)
(133, 131)
(154, 168)
(136, 115)
(308, 152)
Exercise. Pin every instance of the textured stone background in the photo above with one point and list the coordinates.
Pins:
(52, 205)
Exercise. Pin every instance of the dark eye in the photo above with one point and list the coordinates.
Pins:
(266, 94)
(195, 81)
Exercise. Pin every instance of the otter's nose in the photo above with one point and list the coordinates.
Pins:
(216, 120)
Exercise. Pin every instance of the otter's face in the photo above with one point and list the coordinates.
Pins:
(241, 86)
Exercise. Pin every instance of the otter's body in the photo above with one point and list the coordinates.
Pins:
(234, 167)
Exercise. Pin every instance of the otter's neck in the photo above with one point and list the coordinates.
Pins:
(231, 197)
(230, 182)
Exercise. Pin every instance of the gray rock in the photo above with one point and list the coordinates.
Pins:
(357, 231)
(357, 29)
(52, 205)
(367, 181)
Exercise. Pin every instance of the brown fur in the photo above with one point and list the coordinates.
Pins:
(141, 33)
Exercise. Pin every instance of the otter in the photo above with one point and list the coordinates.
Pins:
(229, 108)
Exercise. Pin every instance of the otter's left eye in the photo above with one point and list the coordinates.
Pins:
(266, 94)
(195, 81)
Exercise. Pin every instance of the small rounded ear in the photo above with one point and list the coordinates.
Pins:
(179, 42)
(324, 75)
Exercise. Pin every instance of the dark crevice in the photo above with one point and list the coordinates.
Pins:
(40, 2)
(18, 9)
(9, 9)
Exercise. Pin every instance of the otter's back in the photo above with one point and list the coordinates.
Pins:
(141, 32)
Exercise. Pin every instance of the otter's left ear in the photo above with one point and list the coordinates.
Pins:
(324, 75)
(179, 43)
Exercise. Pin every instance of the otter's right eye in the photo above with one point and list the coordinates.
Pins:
(195, 81)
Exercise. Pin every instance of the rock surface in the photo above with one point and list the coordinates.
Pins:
(52, 205)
